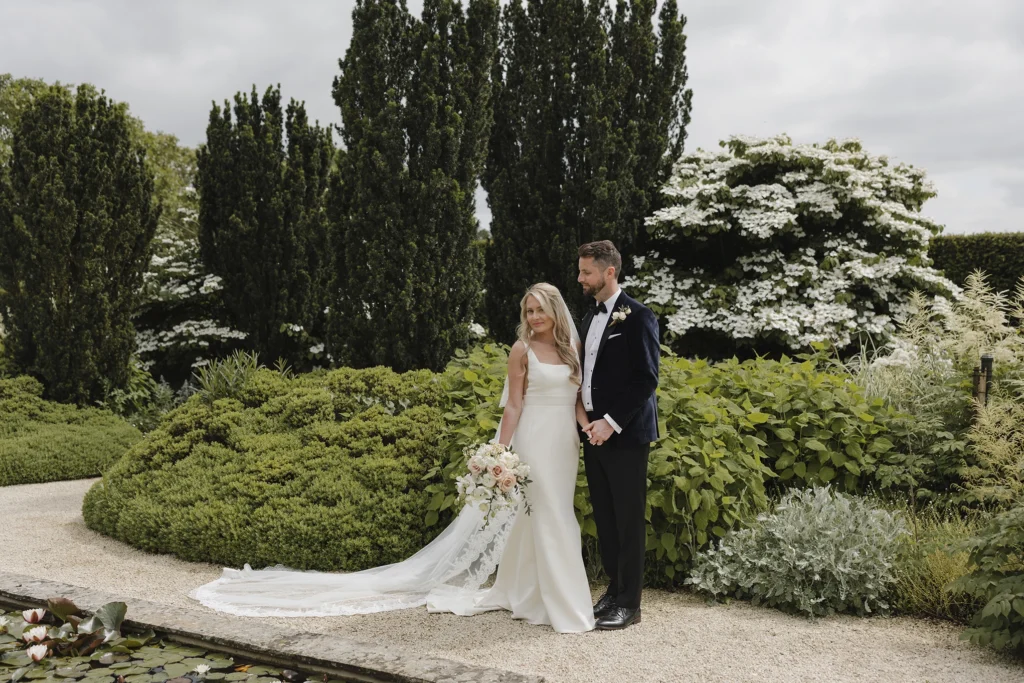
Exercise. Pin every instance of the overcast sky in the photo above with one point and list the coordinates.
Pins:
(935, 83)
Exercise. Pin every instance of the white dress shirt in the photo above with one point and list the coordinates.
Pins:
(591, 345)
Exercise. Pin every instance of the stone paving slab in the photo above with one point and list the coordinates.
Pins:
(340, 657)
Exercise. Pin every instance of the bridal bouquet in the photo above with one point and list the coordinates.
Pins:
(495, 481)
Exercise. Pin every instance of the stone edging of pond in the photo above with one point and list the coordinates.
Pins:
(342, 658)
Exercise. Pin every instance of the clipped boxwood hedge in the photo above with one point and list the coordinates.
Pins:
(45, 441)
(325, 471)
(999, 254)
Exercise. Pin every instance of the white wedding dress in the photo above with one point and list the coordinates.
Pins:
(541, 577)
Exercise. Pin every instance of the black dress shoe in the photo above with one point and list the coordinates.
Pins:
(603, 606)
(618, 618)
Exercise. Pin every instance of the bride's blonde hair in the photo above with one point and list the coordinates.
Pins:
(550, 300)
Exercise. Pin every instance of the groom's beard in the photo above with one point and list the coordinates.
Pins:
(594, 291)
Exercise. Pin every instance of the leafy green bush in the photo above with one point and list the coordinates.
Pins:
(997, 554)
(46, 441)
(324, 471)
(929, 562)
(999, 254)
(143, 401)
(925, 374)
(818, 552)
(731, 434)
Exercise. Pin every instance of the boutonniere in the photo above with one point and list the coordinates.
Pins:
(619, 315)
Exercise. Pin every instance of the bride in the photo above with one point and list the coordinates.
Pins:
(541, 577)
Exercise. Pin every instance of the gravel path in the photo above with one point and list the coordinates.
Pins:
(681, 637)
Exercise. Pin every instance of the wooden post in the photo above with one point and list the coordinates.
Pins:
(986, 371)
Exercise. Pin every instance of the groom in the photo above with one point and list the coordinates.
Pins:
(621, 353)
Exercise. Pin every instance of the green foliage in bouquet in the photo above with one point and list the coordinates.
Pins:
(45, 441)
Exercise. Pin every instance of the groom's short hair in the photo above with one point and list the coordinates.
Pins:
(604, 253)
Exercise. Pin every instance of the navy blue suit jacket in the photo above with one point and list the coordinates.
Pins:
(625, 373)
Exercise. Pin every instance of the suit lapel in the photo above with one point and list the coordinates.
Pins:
(623, 300)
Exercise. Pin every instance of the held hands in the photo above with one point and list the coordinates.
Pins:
(598, 431)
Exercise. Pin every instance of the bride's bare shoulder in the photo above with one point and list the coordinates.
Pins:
(517, 354)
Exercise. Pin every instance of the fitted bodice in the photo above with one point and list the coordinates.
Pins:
(548, 384)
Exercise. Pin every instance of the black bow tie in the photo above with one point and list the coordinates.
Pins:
(600, 308)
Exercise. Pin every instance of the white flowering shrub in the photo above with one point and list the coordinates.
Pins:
(180, 324)
(924, 373)
(771, 244)
(819, 552)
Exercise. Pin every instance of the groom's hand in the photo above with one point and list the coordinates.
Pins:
(600, 431)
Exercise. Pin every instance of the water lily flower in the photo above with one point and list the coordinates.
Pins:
(37, 652)
(34, 616)
(35, 635)
(202, 669)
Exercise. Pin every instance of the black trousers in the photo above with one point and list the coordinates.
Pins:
(617, 477)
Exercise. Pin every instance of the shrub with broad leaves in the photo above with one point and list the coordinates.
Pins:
(732, 434)
(924, 372)
(818, 552)
(997, 553)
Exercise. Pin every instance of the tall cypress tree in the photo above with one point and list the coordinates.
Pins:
(416, 112)
(590, 106)
(76, 221)
(263, 219)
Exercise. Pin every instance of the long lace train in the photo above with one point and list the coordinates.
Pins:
(456, 563)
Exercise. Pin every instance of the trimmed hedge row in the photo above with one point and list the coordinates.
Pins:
(320, 472)
(44, 441)
(1000, 254)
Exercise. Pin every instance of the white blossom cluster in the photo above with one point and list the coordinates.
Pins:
(176, 280)
(192, 333)
(828, 244)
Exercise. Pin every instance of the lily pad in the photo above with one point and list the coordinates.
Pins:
(136, 641)
(221, 663)
(159, 677)
(69, 672)
(193, 662)
(237, 676)
(177, 669)
(37, 673)
(139, 678)
(267, 679)
(62, 608)
(215, 676)
(17, 658)
(120, 665)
